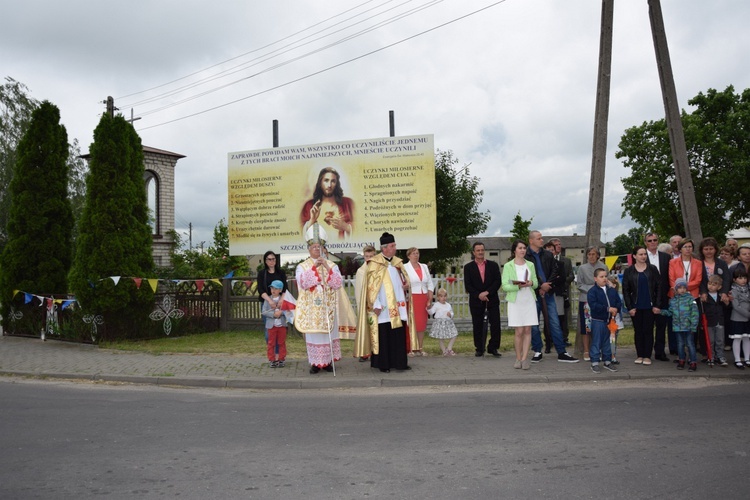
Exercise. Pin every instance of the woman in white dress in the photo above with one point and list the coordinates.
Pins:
(519, 280)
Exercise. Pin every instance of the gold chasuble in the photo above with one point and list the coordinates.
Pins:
(347, 320)
(366, 342)
(316, 304)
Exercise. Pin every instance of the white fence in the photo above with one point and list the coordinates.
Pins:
(459, 299)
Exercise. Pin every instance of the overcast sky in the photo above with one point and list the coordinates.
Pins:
(510, 89)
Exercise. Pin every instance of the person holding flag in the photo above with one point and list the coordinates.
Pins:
(277, 317)
(318, 279)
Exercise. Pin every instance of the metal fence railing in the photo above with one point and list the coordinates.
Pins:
(183, 307)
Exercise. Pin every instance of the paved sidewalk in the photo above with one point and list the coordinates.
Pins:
(55, 359)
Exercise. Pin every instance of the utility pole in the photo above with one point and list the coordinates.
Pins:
(190, 235)
(685, 189)
(601, 122)
(110, 102)
(601, 118)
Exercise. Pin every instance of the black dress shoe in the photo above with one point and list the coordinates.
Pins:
(547, 350)
(314, 369)
(663, 357)
(404, 368)
(362, 359)
(385, 370)
(495, 353)
(328, 368)
(479, 354)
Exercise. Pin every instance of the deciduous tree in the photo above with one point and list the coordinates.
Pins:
(718, 142)
(458, 216)
(521, 228)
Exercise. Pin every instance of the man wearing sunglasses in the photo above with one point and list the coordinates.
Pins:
(660, 260)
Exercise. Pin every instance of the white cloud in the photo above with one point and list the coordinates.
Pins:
(510, 90)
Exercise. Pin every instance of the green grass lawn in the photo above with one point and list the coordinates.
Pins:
(252, 343)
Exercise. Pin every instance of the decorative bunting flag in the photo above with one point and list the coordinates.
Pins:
(229, 275)
(610, 261)
(154, 283)
(199, 285)
(138, 282)
(116, 279)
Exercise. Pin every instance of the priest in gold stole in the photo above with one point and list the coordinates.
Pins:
(318, 279)
(382, 329)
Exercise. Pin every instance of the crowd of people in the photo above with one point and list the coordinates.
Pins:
(680, 299)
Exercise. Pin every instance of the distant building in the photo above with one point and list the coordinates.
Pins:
(742, 235)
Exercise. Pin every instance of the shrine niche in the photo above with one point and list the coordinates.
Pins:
(158, 176)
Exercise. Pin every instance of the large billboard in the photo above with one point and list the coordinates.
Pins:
(355, 190)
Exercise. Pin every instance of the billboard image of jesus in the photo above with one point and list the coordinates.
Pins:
(329, 201)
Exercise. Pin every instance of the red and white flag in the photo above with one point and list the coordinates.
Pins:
(288, 303)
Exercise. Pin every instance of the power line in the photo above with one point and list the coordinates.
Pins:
(247, 53)
(447, 23)
(284, 49)
(294, 59)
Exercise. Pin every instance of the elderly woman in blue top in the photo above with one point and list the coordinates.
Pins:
(604, 302)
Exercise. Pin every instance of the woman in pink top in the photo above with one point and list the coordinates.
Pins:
(422, 288)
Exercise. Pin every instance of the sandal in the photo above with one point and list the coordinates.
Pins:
(451, 353)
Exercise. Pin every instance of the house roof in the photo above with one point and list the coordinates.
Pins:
(147, 149)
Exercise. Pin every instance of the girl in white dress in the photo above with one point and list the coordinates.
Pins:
(519, 280)
(442, 326)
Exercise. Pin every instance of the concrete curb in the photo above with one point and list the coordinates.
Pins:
(359, 383)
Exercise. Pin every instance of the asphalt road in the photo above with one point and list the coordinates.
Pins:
(614, 440)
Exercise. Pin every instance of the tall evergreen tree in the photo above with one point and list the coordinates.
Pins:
(114, 237)
(37, 256)
(16, 107)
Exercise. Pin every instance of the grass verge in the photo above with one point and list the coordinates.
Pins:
(252, 343)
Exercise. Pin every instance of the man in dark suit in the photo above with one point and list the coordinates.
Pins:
(566, 269)
(660, 260)
(482, 280)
